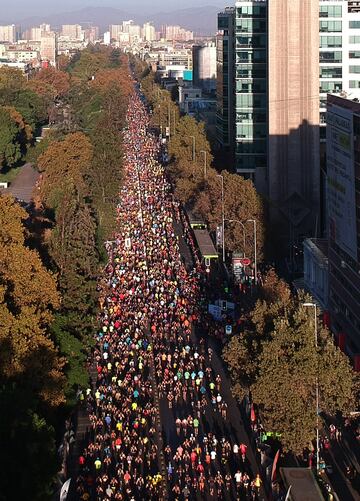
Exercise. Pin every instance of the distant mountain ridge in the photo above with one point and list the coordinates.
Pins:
(201, 20)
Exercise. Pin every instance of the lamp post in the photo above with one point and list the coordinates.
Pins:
(205, 163)
(223, 216)
(255, 247)
(314, 305)
(193, 148)
(169, 120)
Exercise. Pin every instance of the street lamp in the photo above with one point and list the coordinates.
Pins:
(193, 148)
(205, 163)
(255, 248)
(169, 120)
(314, 305)
(223, 215)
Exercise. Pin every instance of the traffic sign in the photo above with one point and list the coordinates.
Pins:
(245, 261)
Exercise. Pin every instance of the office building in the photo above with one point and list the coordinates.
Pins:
(276, 107)
(225, 82)
(343, 186)
(8, 33)
(204, 67)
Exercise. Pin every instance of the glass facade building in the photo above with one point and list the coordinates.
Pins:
(250, 86)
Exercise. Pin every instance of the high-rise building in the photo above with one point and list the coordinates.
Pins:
(48, 47)
(225, 81)
(91, 34)
(72, 31)
(176, 33)
(148, 32)
(276, 106)
(8, 33)
(115, 30)
(343, 186)
(204, 66)
(339, 26)
(291, 178)
(36, 32)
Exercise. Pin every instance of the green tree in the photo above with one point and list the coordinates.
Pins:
(14, 136)
(278, 361)
(289, 367)
(72, 246)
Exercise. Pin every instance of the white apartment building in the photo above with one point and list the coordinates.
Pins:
(148, 32)
(8, 33)
(115, 30)
(339, 26)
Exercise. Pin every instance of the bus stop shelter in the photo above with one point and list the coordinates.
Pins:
(205, 244)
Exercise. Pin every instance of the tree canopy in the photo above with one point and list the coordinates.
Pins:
(278, 362)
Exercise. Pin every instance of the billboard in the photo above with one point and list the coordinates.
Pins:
(341, 179)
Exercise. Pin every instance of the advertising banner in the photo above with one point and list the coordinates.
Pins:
(341, 179)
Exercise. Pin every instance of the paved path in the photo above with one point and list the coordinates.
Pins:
(24, 184)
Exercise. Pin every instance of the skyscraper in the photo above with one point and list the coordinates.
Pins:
(276, 106)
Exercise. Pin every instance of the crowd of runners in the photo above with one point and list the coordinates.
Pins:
(151, 368)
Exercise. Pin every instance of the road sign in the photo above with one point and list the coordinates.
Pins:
(245, 261)
(228, 330)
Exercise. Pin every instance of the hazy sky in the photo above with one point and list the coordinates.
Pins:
(20, 9)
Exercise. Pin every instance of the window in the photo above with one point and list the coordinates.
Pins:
(330, 72)
(330, 41)
(354, 69)
(354, 39)
(354, 24)
(354, 84)
(330, 26)
(330, 11)
(354, 54)
(330, 87)
(331, 57)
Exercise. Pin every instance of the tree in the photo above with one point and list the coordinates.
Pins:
(243, 353)
(56, 80)
(28, 297)
(182, 142)
(289, 367)
(277, 361)
(69, 158)
(241, 203)
(11, 79)
(72, 246)
(14, 136)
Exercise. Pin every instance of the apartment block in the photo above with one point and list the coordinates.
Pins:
(8, 33)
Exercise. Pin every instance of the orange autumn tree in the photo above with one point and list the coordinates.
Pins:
(28, 298)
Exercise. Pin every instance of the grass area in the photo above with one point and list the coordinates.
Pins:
(9, 175)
